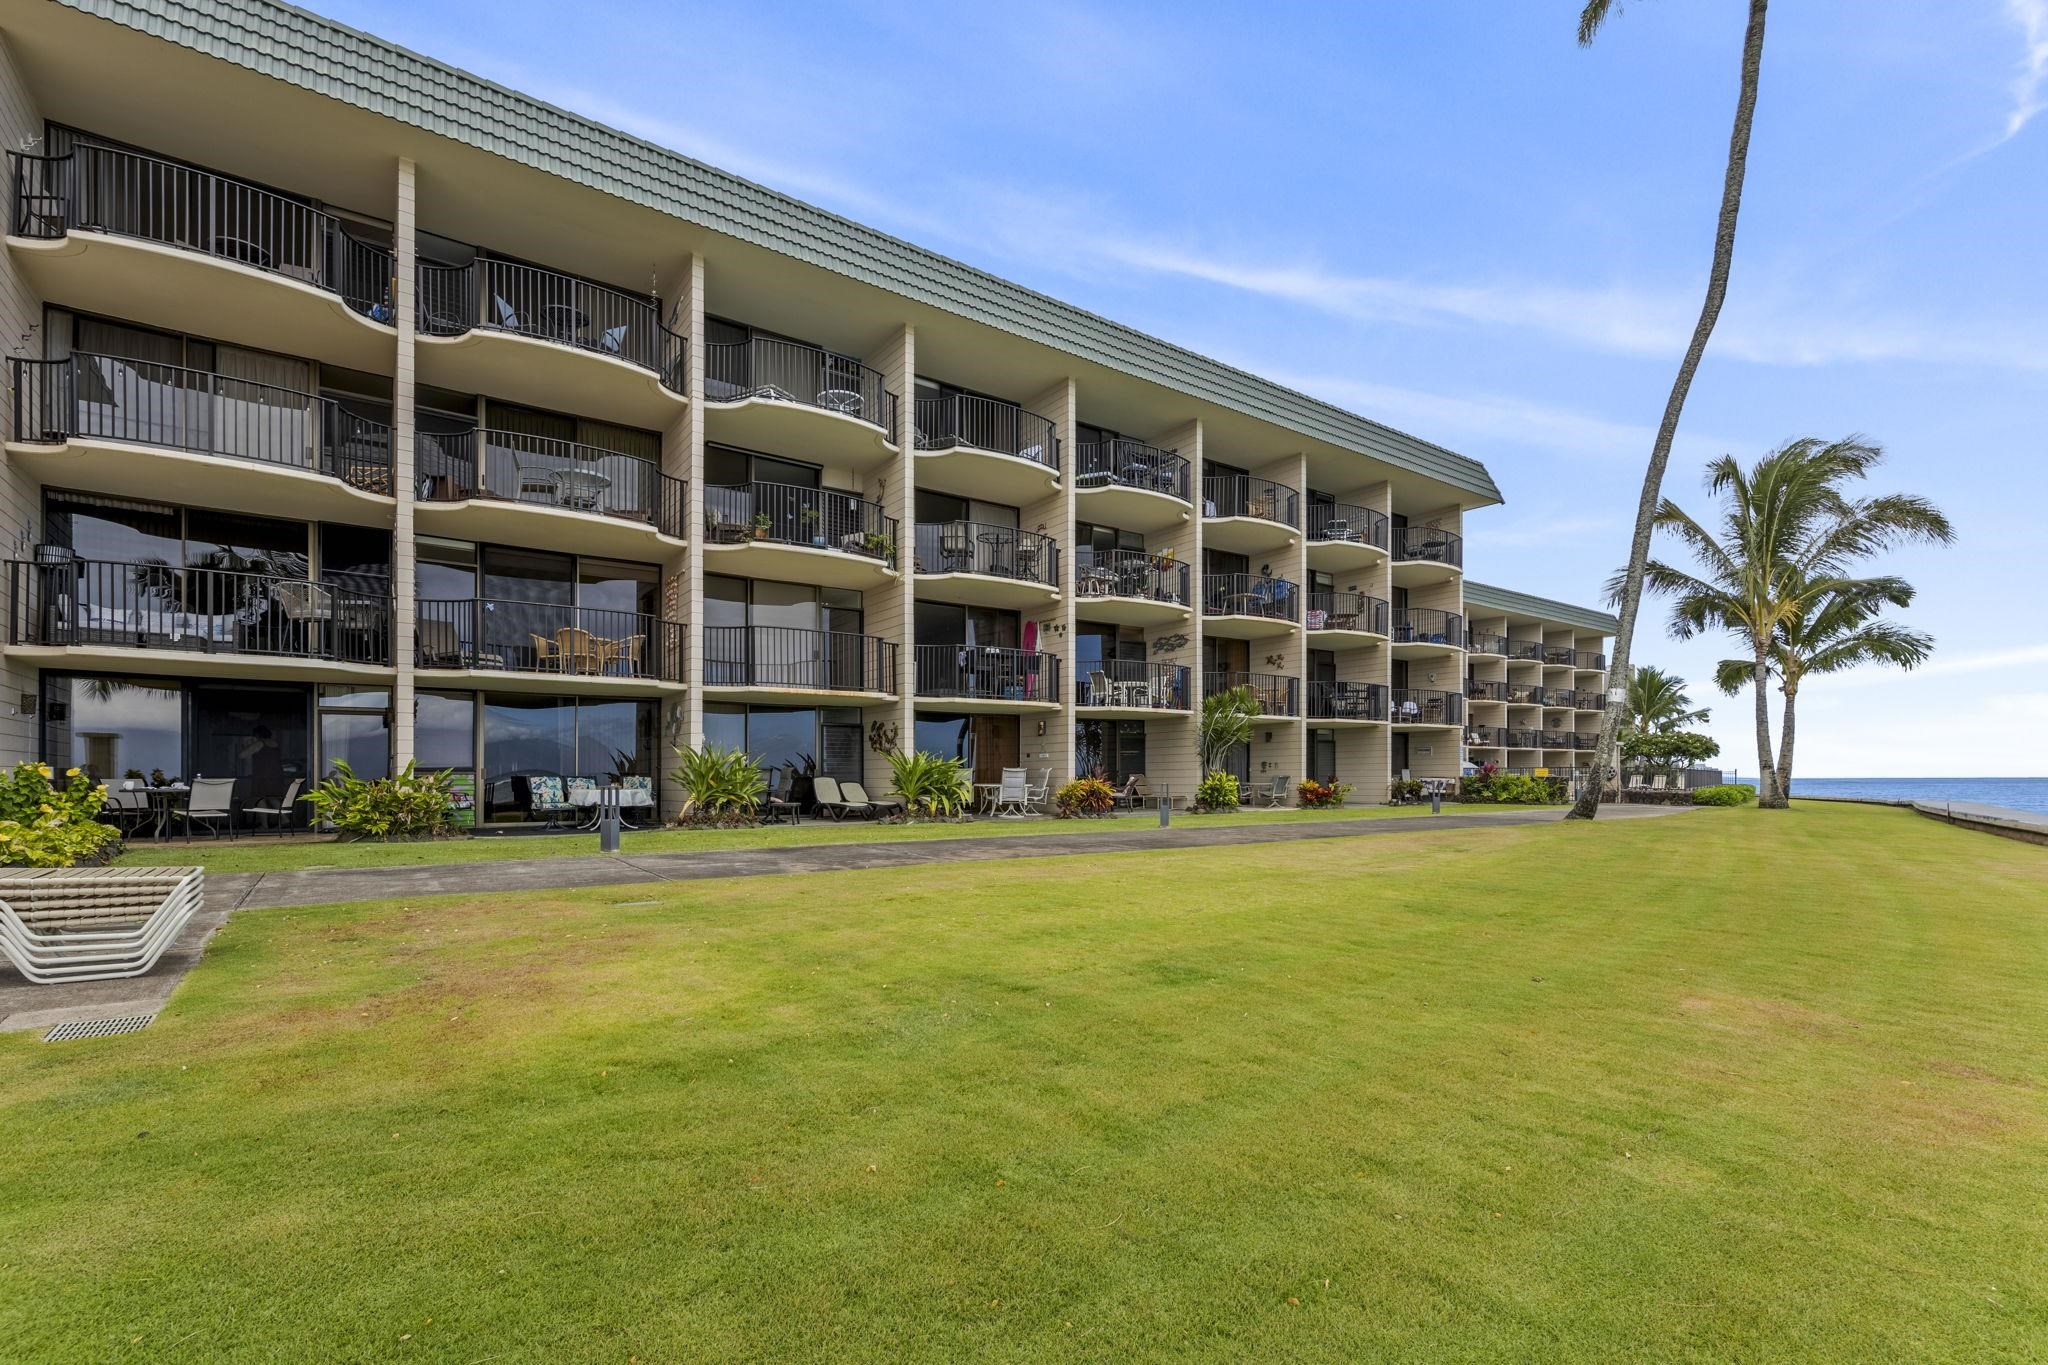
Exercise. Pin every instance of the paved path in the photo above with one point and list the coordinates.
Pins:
(23, 1006)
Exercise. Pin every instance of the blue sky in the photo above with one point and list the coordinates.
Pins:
(1452, 219)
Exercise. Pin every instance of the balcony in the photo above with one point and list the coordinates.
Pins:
(1423, 554)
(220, 619)
(1560, 656)
(986, 448)
(551, 643)
(1342, 536)
(1129, 587)
(1591, 661)
(1484, 642)
(768, 394)
(1560, 739)
(988, 566)
(1347, 614)
(128, 235)
(1480, 689)
(111, 425)
(1132, 485)
(1347, 701)
(1485, 737)
(1248, 606)
(803, 535)
(776, 663)
(1524, 651)
(1246, 515)
(980, 678)
(1133, 687)
(1425, 706)
(1426, 630)
(551, 339)
(517, 489)
(1512, 738)
(1526, 694)
(1278, 696)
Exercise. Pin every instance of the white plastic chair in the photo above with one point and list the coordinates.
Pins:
(1013, 793)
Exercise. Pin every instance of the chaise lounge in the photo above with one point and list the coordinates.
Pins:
(94, 924)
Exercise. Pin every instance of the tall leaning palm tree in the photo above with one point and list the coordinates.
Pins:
(1657, 701)
(1591, 18)
(1838, 631)
(1789, 540)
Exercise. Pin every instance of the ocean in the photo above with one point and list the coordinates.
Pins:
(2014, 793)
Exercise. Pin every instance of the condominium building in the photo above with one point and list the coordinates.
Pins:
(364, 410)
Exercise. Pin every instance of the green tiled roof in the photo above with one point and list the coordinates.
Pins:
(1548, 608)
(317, 54)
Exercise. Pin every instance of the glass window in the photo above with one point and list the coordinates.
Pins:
(524, 737)
(725, 727)
(362, 739)
(604, 585)
(776, 736)
(257, 735)
(348, 699)
(615, 739)
(114, 529)
(356, 558)
(444, 730)
(112, 727)
(235, 540)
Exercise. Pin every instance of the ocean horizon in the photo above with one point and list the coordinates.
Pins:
(2013, 793)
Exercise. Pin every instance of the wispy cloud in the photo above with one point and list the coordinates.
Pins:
(1988, 661)
(2030, 87)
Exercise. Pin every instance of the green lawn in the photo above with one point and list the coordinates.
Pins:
(285, 855)
(1731, 1085)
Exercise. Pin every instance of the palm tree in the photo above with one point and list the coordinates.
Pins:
(1838, 631)
(1657, 701)
(1226, 724)
(1789, 537)
(1590, 20)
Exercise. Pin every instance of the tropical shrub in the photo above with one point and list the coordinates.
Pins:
(1084, 796)
(1727, 794)
(1401, 791)
(1314, 795)
(1217, 792)
(411, 805)
(1226, 724)
(47, 824)
(719, 786)
(932, 786)
(1513, 789)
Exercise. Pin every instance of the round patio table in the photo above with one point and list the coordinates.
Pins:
(163, 802)
(579, 488)
(845, 402)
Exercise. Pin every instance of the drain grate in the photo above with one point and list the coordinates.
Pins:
(98, 1028)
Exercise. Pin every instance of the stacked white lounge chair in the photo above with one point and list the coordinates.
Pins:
(93, 924)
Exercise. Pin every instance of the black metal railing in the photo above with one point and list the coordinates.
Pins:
(1355, 611)
(1241, 495)
(1485, 642)
(132, 194)
(986, 673)
(1425, 706)
(1525, 649)
(1486, 737)
(1427, 626)
(1593, 660)
(1347, 701)
(962, 419)
(1485, 689)
(792, 372)
(547, 637)
(1588, 701)
(999, 551)
(1343, 523)
(784, 514)
(1563, 656)
(1122, 463)
(116, 399)
(1429, 545)
(1129, 573)
(1134, 684)
(1512, 738)
(1560, 739)
(533, 301)
(1526, 694)
(797, 658)
(517, 467)
(1276, 694)
(1248, 594)
(223, 611)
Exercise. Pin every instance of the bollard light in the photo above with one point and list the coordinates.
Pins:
(1436, 801)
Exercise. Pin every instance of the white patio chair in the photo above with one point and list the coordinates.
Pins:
(1012, 793)
(1038, 793)
(93, 924)
(278, 815)
(212, 802)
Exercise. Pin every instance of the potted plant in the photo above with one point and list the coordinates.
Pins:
(809, 517)
(761, 526)
(878, 545)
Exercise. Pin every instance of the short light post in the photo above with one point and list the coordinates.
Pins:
(1165, 807)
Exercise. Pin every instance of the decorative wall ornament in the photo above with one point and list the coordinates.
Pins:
(1167, 644)
(882, 736)
(1275, 660)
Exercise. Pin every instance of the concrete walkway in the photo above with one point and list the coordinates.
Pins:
(23, 1006)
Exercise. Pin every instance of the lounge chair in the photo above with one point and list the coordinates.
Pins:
(1131, 794)
(888, 805)
(831, 801)
(278, 814)
(93, 924)
(212, 802)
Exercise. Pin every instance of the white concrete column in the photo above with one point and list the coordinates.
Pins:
(682, 457)
(404, 552)
(889, 612)
(1059, 403)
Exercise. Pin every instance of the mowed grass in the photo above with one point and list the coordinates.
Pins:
(1730, 1085)
(293, 854)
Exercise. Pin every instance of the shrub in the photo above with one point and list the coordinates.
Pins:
(719, 786)
(1314, 795)
(1670, 749)
(1401, 792)
(1727, 794)
(1084, 796)
(411, 805)
(931, 786)
(43, 824)
(1512, 789)
(1217, 792)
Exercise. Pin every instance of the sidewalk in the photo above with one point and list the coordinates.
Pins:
(23, 1006)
